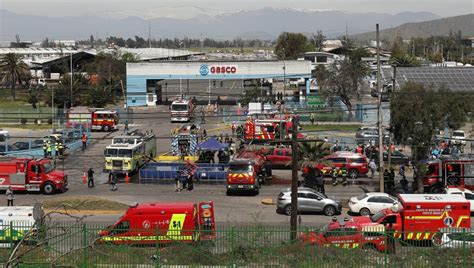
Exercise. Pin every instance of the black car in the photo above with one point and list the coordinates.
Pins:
(397, 158)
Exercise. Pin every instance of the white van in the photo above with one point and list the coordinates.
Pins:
(18, 221)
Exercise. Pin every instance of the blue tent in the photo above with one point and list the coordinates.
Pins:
(212, 145)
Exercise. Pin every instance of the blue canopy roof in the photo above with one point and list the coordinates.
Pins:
(212, 145)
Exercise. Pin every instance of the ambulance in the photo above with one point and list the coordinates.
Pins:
(421, 215)
(16, 222)
(152, 223)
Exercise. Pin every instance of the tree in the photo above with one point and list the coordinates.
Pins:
(318, 40)
(129, 57)
(416, 113)
(291, 45)
(343, 79)
(404, 60)
(313, 151)
(13, 70)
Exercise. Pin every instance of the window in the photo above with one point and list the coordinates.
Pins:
(386, 200)
(339, 160)
(313, 196)
(121, 228)
(335, 233)
(280, 153)
(390, 219)
(322, 59)
(362, 196)
(469, 196)
(359, 160)
(35, 168)
(301, 195)
(374, 199)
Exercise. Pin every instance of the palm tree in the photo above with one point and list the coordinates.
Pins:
(13, 69)
(313, 151)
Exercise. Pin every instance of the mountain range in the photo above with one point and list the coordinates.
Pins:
(444, 26)
(265, 24)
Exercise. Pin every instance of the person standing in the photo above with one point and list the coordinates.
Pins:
(90, 178)
(372, 167)
(45, 148)
(84, 142)
(114, 182)
(10, 197)
(48, 148)
(177, 181)
(110, 178)
(126, 125)
(320, 182)
(234, 127)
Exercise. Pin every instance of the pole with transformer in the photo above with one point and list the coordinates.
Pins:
(294, 177)
(379, 113)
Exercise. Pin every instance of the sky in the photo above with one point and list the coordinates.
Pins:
(187, 9)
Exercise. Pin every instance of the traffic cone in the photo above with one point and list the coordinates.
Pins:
(84, 178)
(127, 179)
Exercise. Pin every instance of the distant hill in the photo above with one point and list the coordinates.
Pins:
(444, 26)
(264, 23)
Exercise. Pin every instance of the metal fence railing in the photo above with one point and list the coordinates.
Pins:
(80, 245)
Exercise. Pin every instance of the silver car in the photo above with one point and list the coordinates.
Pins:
(308, 201)
(454, 238)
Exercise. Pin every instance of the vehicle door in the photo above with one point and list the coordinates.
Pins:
(303, 202)
(339, 162)
(34, 174)
(315, 202)
(278, 157)
(375, 204)
(470, 198)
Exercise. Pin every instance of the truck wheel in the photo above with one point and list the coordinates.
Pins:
(329, 210)
(106, 128)
(256, 191)
(353, 173)
(48, 188)
(364, 212)
(228, 193)
(288, 210)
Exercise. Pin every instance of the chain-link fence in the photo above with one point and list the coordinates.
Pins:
(81, 245)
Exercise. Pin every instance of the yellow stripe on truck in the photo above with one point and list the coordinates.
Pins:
(176, 225)
(146, 238)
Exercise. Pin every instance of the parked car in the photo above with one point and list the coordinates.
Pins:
(354, 163)
(458, 137)
(371, 203)
(366, 134)
(280, 157)
(397, 158)
(308, 201)
(454, 238)
(469, 195)
(3, 148)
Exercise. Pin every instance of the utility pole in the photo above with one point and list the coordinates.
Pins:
(394, 82)
(294, 177)
(72, 78)
(149, 34)
(379, 113)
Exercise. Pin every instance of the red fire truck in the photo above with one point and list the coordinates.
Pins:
(262, 130)
(247, 171)
(348, 235)
(448, 172)
(151, 223)
(419, 216)
(31, 175)
(97, 119)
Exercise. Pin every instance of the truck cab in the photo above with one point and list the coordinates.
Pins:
(441, 173)
(181, 110)
(242, 176)
(31, 175)
(347, 235)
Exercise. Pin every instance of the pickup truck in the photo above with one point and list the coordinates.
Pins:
(280, 157)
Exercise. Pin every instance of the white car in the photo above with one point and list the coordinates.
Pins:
(458, 137)
(454, 238)
(371, 203)
(469, 195)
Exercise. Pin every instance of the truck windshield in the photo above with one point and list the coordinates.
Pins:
(377, 216)
(111, 152)
(240, 168)
(179, 107)
(47, 167)
(125, 153)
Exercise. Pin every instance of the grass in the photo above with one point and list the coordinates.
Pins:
(27, 126)
(352, 127)
(85, 203)
(13, 111)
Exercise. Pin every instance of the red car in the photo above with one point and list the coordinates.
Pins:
(348, 234)
(355, 164)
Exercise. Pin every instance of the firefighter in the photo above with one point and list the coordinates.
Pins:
(48, 148)
(320, 182)
(60, 147)
(334, 173)
(45, 148)
(343, 174)
(84, 142)
(386, 179)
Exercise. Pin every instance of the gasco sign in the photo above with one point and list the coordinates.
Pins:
(205, 69)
